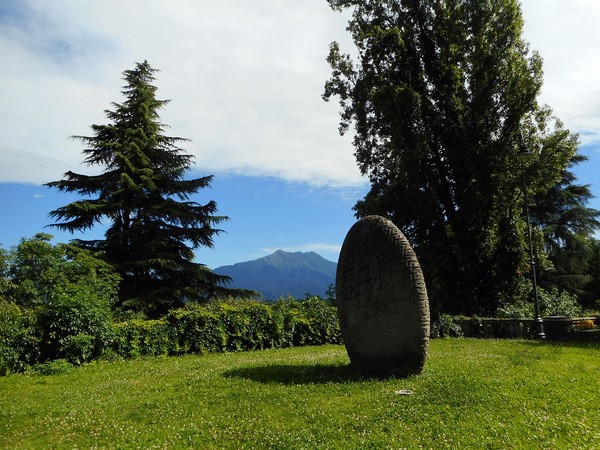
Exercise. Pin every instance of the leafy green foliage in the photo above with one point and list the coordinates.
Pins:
(75, 326)
(154, 224)
(446, 326)
(197, 329)
(138, 337)
(5, 284)
(54, 367)
(75, 319)
(323, 324)
(58, 304)
(31, 270)
(230, 325)
(36, 272)
(248, 325)
(19, 338)
(552, 302)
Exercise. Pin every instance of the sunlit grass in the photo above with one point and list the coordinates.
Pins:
(472, 394)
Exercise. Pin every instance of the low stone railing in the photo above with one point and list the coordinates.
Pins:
(555, 328)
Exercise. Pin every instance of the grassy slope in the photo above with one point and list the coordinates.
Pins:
(472, 394)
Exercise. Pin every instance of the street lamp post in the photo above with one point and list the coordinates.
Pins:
(538, 322)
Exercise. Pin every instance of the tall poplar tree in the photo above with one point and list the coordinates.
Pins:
(143, 195)
(439, 96)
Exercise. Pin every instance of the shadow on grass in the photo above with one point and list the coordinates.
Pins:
(296, 374)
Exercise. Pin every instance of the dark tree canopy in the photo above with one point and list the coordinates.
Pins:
(143, 195)
(438, 97)
(594, 274)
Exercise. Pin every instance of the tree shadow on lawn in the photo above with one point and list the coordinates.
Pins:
(296, 374)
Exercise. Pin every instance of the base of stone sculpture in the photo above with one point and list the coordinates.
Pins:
(399, 365)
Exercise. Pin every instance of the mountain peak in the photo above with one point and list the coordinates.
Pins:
(283, 273)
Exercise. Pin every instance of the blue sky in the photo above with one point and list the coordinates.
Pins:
(265, 214)
(245, 80)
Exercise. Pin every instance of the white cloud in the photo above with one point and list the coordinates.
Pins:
(565, 32)
(245, 79)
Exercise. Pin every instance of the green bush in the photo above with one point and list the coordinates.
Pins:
(552, 302)
(68, 291)
(57, 304)
(291, 323)
(54, 367)
(323, 322)
(137, 337)
(196, 329)
(312, 321)
(555, 303)
(248, 324)
(229, 325)
(30, 270)
(19, 338)
(76, 317)
(446, 326)
(75, 326)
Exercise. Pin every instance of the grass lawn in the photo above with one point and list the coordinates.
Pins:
(472, 394)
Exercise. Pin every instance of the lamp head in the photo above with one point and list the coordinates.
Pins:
(523, 150)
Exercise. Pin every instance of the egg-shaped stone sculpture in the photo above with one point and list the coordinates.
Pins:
(382, 300)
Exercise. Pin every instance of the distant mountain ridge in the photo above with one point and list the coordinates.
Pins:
(283, 274)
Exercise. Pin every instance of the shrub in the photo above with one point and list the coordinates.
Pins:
(291, 323)
(323, 322)
(30, 269)
(249, 324)
(228, 325)
(312, 321)
(69, 293)
(137, 337)
(517, 310)
(196, 329)
(446, 326)
(19, 338)
(555, 303)
(552, 302)
(76, 325)
(54, 367)
(76, 318)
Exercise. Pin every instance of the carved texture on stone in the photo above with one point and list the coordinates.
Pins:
(382, 300)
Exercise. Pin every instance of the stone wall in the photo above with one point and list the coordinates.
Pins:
(555, 328)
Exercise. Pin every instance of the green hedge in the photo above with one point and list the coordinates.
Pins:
(137, 337)
(79, 331)
(228, 326)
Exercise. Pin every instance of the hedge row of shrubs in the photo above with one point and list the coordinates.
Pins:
(74, 333)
